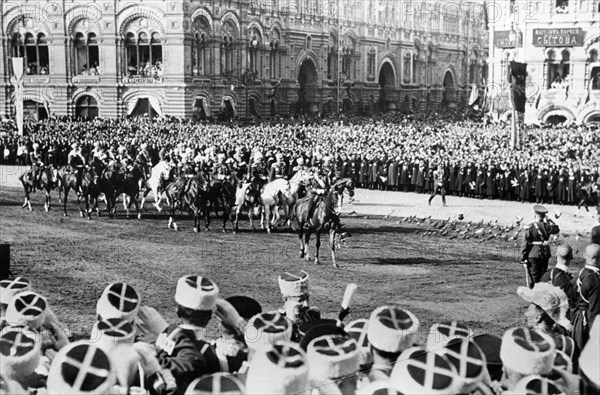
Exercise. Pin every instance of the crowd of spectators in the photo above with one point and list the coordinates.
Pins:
(132, 349)
(554, 166)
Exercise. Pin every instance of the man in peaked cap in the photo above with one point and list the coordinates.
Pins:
(278, 169)
(182, 348)
(294, 287)
(391, 330)
(334, 359)
(536, 252)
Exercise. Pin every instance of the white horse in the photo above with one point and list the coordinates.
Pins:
(275, 195)
(159, 178)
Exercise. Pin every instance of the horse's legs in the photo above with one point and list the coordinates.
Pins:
(301, 237)
(317, 246)
(87, 206)
(266, 218)
(65, 198)
(172, 223)
(137, 207)
(206, 208)
(332, 247)
(306, 243)
(126, 204)
(251, 216)
(47, 202)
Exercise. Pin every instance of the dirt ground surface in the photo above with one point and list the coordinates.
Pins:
(460, 275)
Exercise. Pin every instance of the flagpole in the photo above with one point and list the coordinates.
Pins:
(17, 80)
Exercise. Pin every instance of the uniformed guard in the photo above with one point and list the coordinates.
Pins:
(439, 182)
(220, 169)
(37, 164)
(318, 189)
(257, 173)
(536, 252)
(294, 287)
(588, 303)
(182, 348)
(76, 163)
(559, 275)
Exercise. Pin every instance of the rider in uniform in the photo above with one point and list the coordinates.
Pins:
(144, 162)
(257, 173)
(76, 163)
(319, 188)
(537, 243)
(278, 169)
(37, 165)
(221, 170)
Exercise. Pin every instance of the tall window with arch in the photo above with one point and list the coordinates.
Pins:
(593, 70)
(371, 62)
(274, 54)
(254, 51)
(86, 54)
(228, 48)
(200, 49)
(348, 59)
(144, 54)
(474, 68)
(408, 67)
(557, 72)
(332, 58)
(34, 48)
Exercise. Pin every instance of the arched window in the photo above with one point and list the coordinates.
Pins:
(274, 55)
(144, 54)
(254, 53)
(86, 54)
(407, 67)
(201, 64)
(371, 59)
(18, 46)
(332, 58)
(474, 68)
(594, 70)
(229, 58)
(309, 42)
(86, 108)
(35, 51)
(348, 59)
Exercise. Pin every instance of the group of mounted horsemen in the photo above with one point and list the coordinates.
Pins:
(199, 185)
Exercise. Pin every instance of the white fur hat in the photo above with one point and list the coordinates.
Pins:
(118, 300)
(281, 368)
(197, 293)
(419, 371)
(527, 351)
(20, 352)
(218, 383)
(533, 385)
(468, 360)
(26, 308)
(358, 331)
(111, 332)
(563, 362)
(294, 283)
(80, 368)
(440, 334)
(9, 288)
(267, 328)
(378, 387)
(332, 357)
(590, 355)
(392, 329)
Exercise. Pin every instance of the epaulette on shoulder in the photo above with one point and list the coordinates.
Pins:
(529, 226)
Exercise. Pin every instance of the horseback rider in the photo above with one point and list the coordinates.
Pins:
(239, 165)
(257, 173)
(220, 169)
(37, 165)
(99, 159)
(278, 169)
(316, 191)
(144, 162)
(77, 163)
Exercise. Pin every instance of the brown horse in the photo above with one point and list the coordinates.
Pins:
(324, 217)
(221, 195)
(193, 198)
(106, 183)
(87, 189)
(129, 186)
(47, 182)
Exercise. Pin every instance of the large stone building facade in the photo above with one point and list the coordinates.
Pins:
(560, 41)
(189, 58)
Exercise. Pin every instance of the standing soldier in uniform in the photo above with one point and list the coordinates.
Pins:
(588, 303)
(537, 243)
(439, 184)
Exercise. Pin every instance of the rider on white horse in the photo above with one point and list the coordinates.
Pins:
(257, 173)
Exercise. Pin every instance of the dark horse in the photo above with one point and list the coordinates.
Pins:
(589, 193)
(106, 183)
(325, 217)
(87, 188)
(221, 195)
(129, 186)
(193, 198)
(47, 182)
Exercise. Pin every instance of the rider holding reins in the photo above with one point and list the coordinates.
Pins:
(37, 165)
(76, 163)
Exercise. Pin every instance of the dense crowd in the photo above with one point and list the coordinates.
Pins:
(132, 349)
(556, 165)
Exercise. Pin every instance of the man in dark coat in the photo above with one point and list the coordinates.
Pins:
(536, 252)
(588, 303)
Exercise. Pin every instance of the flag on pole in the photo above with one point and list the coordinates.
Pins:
(17, 65)
(519, 72)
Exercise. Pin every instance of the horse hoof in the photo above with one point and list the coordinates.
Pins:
(81, 214)
(139, 216)
(195, 229)
(336, 266)
(127, 216)
(317, 262)
(301, 254)
(65, 215)
(307, 257)
(175, 226)
(224, 231)
(269, 230)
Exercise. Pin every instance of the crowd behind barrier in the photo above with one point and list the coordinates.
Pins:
(559, 164)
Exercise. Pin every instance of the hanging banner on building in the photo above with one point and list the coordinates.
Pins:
(558, 37)
(508, 39)
(17, 81)
(519, 74)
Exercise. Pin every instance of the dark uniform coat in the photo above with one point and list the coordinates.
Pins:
(186, 357)
(588, 304)
(537, 246)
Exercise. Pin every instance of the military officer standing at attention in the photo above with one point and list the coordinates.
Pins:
(537, 243)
